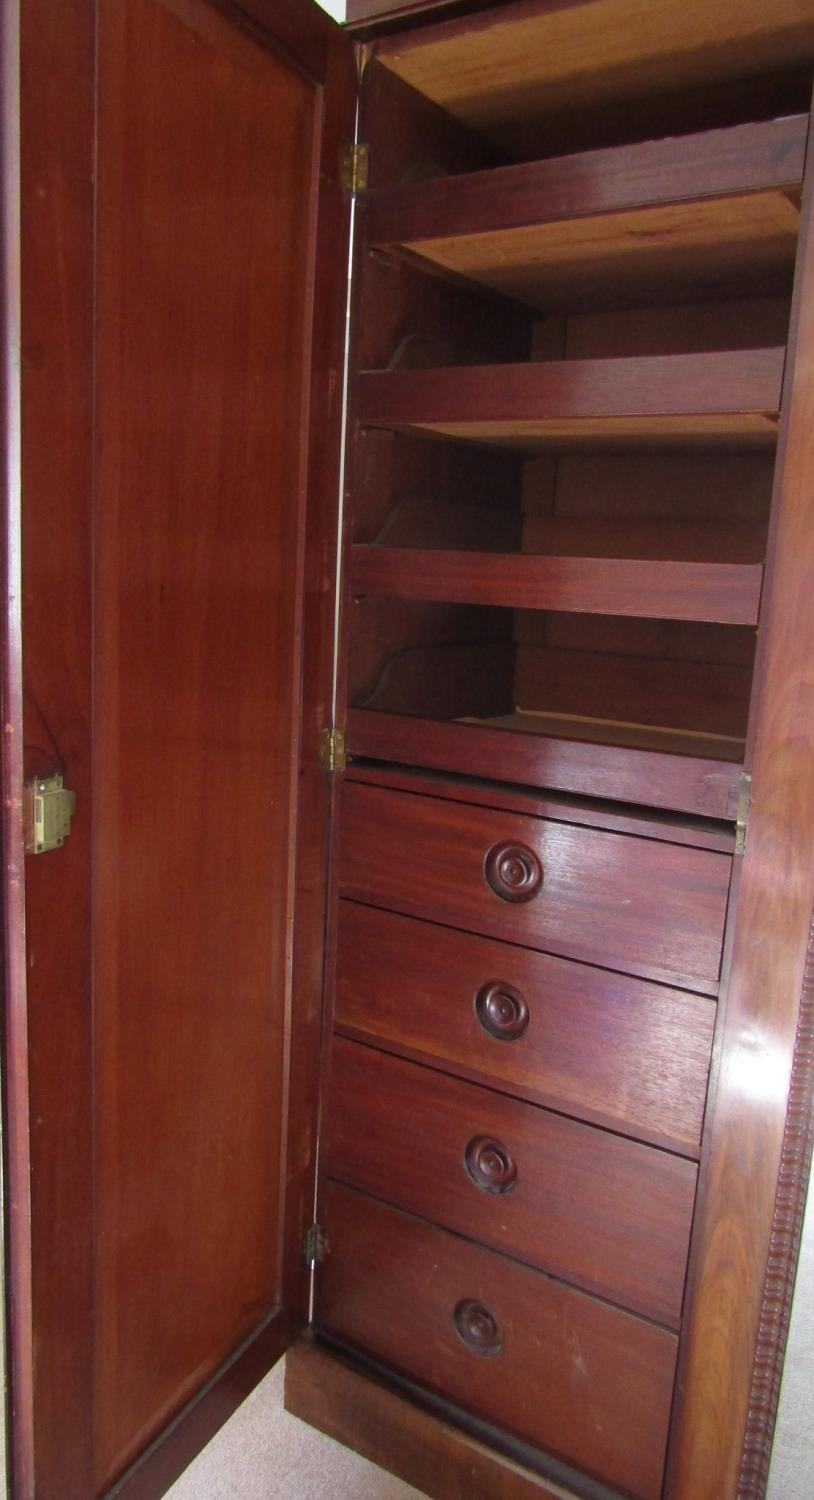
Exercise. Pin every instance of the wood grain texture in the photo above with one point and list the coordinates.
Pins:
(727, 593)
(627, 221)
(303, 33)
(408, 320)
(708, 326)
(543, 1188)
(620, 734)
(319, 563)
(686, 782)
(411, 134)
(616, 1052)
(660, 397)
(767, 968)
(704, 490)
(18, 1286)
(365, 1412)
(650, 909)
(586, 1381)
(699, 833)
(402, 481)
(716, 247)
(447, 678)
(50, 1131)
(361, 11)
(730, 540)
(500, 73)
(704, 697)
(781, 1268)
(206, 244)
(748, 158)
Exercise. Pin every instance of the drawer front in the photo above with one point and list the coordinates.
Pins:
(605, 1047)
(634, 905)
(605, 1213)
(586, 1381)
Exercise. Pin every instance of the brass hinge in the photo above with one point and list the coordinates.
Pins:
(354, 161)
(332, 755)
(315, 1246)
(48, 808)
(744, 804)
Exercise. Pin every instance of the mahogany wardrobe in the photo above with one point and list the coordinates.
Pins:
(408, 734)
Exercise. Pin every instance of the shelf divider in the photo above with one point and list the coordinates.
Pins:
(721, 593)
(753, 158)
(729, 396)
(685, 783)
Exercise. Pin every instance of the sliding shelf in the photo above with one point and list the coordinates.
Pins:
(506, 72)
(685, 773)
(725, 593)
(705, 210)
(730, 398)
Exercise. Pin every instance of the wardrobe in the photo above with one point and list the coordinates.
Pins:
(409, 735)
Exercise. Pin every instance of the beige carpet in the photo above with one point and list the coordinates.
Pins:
(265, 1454)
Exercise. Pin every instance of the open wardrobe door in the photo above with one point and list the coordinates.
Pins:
(172, 182)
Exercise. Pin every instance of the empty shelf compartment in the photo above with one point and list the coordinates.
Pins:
(623, 224)
(729, 398)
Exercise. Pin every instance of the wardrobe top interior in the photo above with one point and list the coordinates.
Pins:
(567, 187)
(528, 76)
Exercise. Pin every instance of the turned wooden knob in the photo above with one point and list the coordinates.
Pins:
(501, 1010)
(477, 1327)
(490, 1165)
(513, 871)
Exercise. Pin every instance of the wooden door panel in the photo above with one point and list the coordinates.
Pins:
(179, 267)
(205, 225)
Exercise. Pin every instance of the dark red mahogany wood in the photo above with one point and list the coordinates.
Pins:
(698, 833)
(651, 909)
(617, 1051)
(49, 1096)
(363, 1411)
(725, 592)
(18, 1288)
(574, 389)
(683, 783)
(186, 286)
(360, 11)
(521, 1179)
(742, 159)
(583, 1379)
(676, 782)
(726, 1347)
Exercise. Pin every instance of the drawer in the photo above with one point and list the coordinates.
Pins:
(635, 905)
(605, 1047)
(587, 1382)
(606, 1213)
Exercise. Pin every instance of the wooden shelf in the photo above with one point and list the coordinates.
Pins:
(724, 593)
(502, 71)
(675, 772)
(730, 398)
(703, 211)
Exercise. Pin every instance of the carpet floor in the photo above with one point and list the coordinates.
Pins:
(263, 1453)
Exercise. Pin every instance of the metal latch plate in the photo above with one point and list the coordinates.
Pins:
(49, 808)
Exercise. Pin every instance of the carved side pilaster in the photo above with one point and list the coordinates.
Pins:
(785, 1246)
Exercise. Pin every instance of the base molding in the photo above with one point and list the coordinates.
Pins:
(422, 1449)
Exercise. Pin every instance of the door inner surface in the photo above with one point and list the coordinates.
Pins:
(170, 210)
(204, 227)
